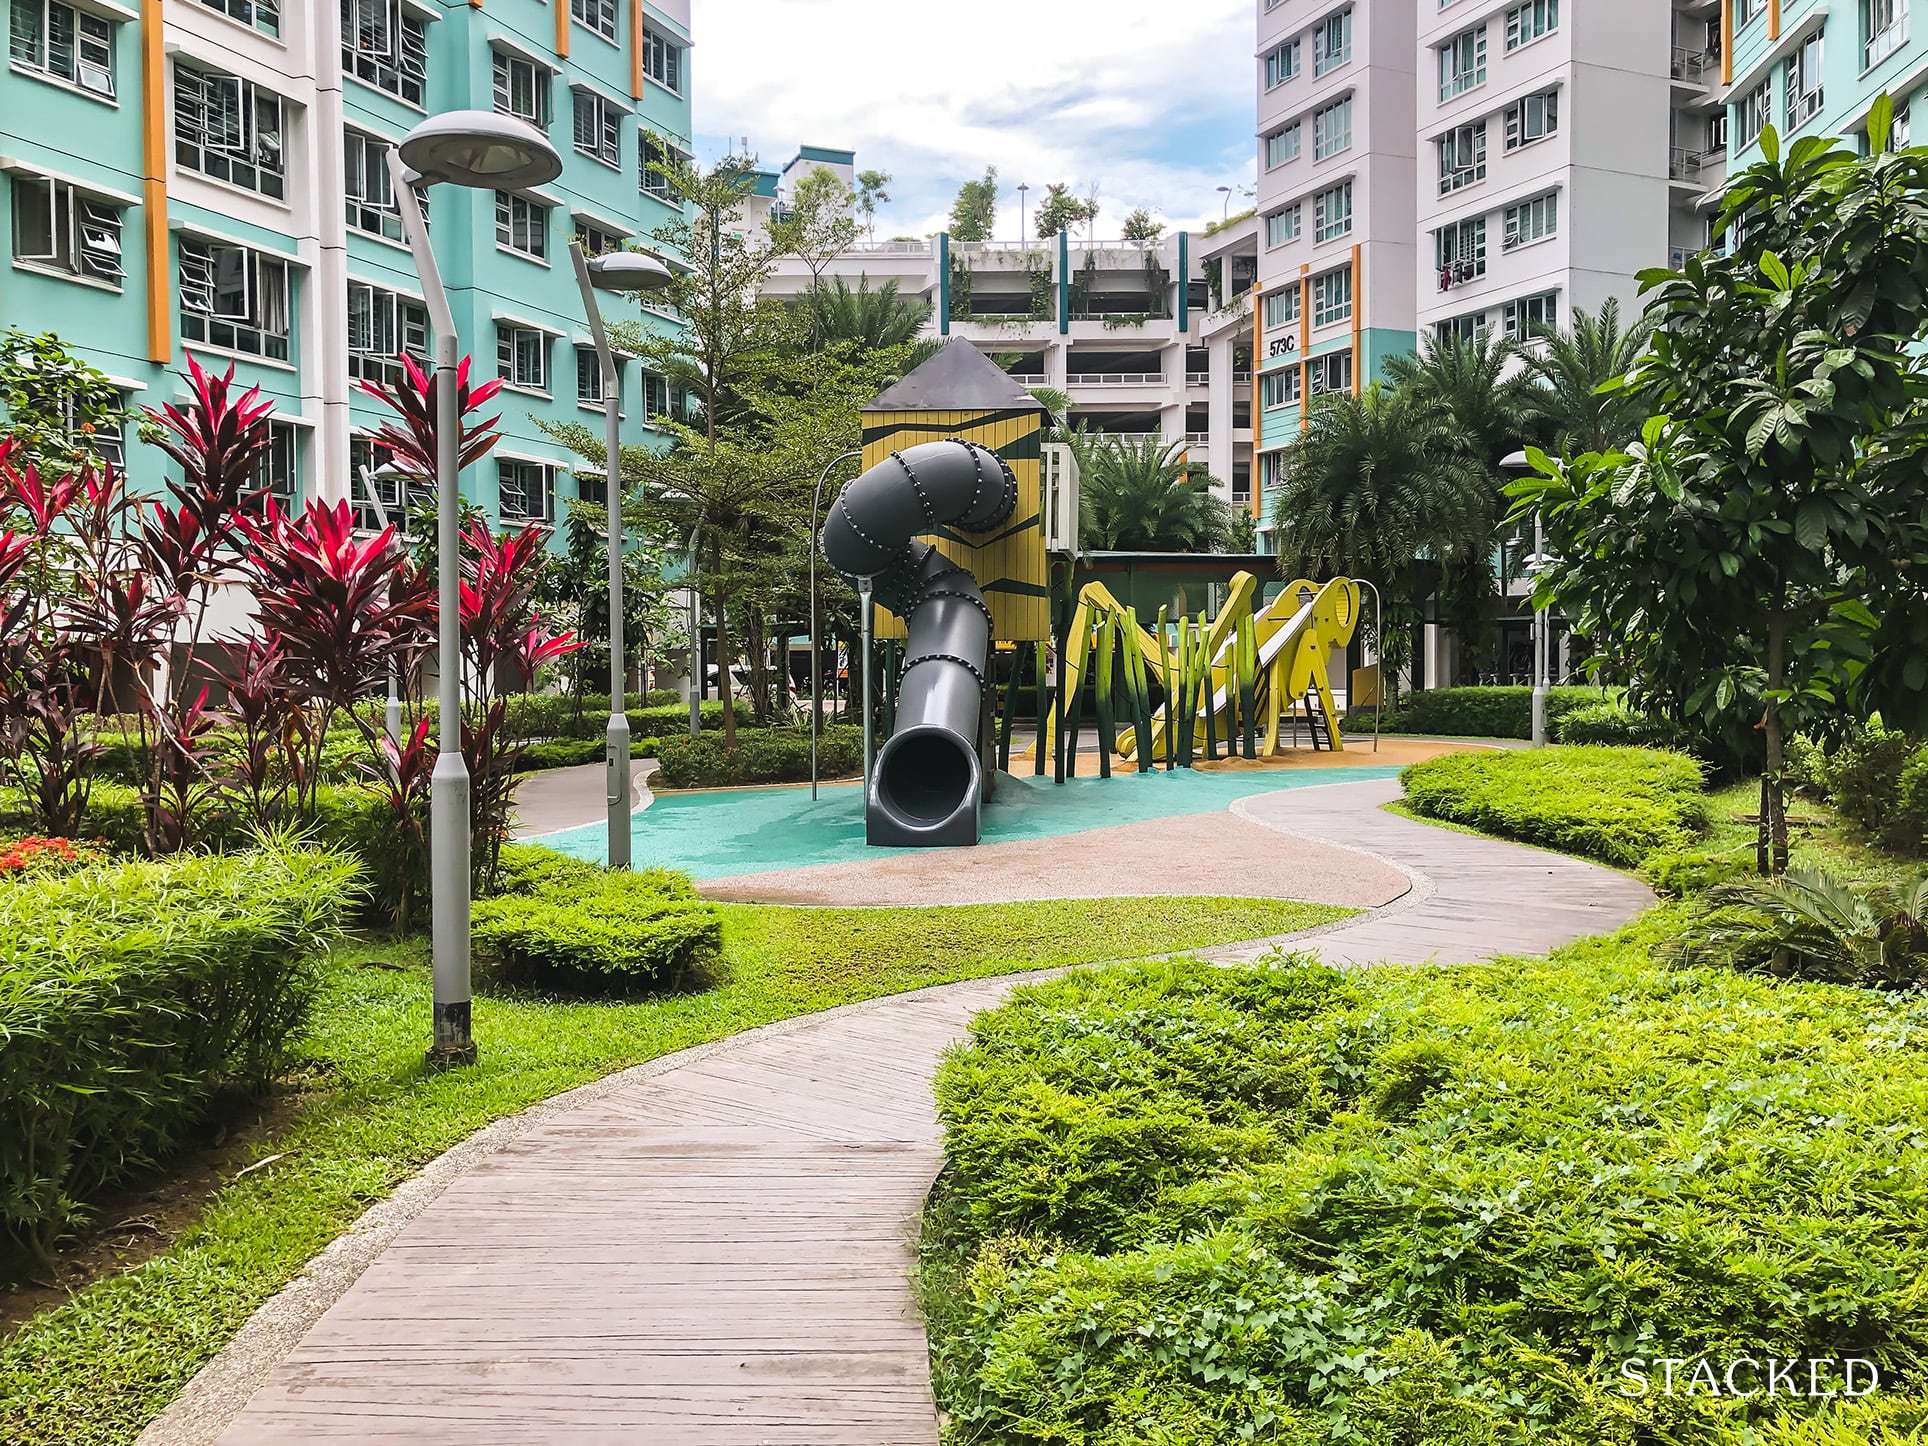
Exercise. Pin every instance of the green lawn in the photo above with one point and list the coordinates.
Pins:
(101, 1366)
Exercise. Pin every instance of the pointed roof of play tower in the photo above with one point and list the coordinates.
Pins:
(960, 378)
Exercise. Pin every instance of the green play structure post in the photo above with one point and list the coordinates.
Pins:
(1107, 717)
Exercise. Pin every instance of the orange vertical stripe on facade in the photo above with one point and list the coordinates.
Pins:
(160, 315)
(635, 49)
(1258, 399)
(1773, 19)
(1726, 42)
(562, 29)
(1358, 306)
(1305, 346)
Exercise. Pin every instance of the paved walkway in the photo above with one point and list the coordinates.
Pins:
(714, 1248)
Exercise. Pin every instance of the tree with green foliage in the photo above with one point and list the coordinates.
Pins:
(872, 193)
(1138, 494)
(974, 212)
(1378, 489)
(575, 596)
(1569, 368)
(1760, 555)
(1061, 210)
(878, 319)
(1141, 225)
(817, 226)
(58, 407)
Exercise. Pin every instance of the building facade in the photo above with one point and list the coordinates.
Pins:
(1807, 68)
(209, 178)
(1470, 168)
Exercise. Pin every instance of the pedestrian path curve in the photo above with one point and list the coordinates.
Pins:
(715, 1248)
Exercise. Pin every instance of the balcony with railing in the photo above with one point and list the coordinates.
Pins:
(1116, 379)
(1700, 168)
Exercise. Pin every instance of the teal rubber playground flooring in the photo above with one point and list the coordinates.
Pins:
(752, 831)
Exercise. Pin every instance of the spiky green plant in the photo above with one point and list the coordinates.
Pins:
(1142, 495)
(1568, 370)
(1809, 925)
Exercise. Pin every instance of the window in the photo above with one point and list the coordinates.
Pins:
(381, 326)
(263, 15)
(1532, 118)
(234, 298)
(1330, 373)
(657, 399)
(1717, 132)
(597, 242)
(1885, 24)
(1282, 146)
(1531, 221)
(1281, 63)
(522, 357)
(1282, 307)
(64, 43)
(1459, 251)
(385, 47)
(1898, 136)
(1470, 327)
(1462, 157)
(277, 470)
(1752, 115)
(589, 377)
(1804, 82)
(1279, 388)
(1332, 212)
(598, 15)
(56, 228)
(229, 129)
(658, 158)
(1332, 297)
(1332, 129)
(1530, 315)
(1282, 226)
(1332, 42)
(1746, 10)
(1462, 63)
(370, 190)
(522, 89)
(662, 60)
(1529, 22)
(599, 128)
(525, 491)
(521, 225)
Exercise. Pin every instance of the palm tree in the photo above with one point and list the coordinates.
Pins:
(1057, 410)
(1379, 488)
(878, 319)
(1141, 495)
(1569, 371)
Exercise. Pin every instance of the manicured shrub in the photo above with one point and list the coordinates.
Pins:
(1191, 1205)
(574, 752)
(1877, 779)
(133, 998)
(1486, 712)
(1679, 873)
(1612, 725)
(568, 923)
(1619, 805)
(772, 755)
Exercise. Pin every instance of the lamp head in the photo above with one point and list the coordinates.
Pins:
(480, 149)
(627, 271)
(1516, 463)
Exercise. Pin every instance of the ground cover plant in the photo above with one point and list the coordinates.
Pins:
(365, 1115)
(1191, 1206)
(1619, 805)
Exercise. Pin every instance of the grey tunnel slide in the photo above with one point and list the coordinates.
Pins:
(928, 782)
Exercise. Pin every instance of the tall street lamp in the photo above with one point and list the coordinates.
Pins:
(1515, 464)
(1024, 190)
(816, 661)
(615, 271)
(484, 151)
(389, 472)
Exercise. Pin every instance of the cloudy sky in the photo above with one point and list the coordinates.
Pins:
(1152, 103)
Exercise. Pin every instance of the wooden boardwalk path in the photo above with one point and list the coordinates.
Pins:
(715, 1249)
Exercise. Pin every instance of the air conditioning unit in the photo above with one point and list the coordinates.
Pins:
(1058, 472)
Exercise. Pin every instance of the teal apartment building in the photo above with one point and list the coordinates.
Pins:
(1807, 67)
(210, 178)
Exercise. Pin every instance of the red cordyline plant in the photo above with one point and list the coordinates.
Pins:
(501, 633)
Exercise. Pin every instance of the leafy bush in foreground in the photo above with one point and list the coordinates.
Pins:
(1612, 725)
(560, 920)
(132, 997)
(1615, 804)
(1190, 1205)
(767, 755)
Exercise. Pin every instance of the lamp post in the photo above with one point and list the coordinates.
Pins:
(615, 271)
(696, 643)
(484, 151)
(389, 472)
(1225, 210)
(863, 606)
(1024, 189)
(1515, 464)
(816, 661)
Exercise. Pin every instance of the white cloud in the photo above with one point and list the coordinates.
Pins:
(1151, 102)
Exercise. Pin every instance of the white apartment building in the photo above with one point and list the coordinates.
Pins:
(1470, 167)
